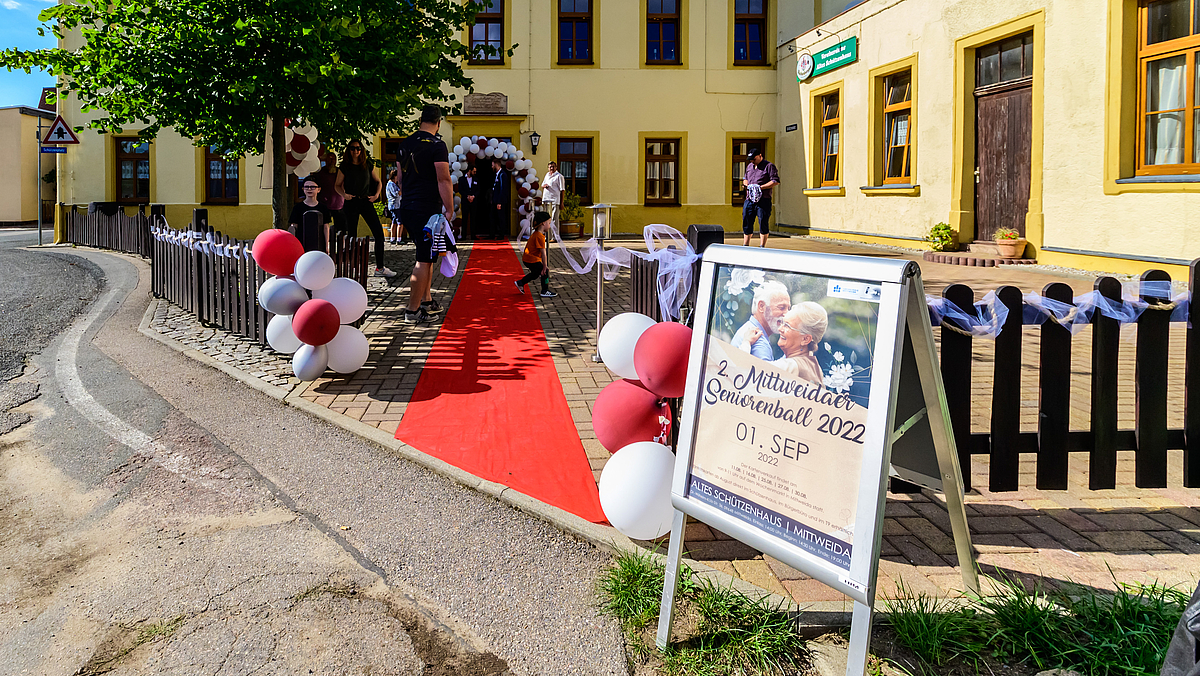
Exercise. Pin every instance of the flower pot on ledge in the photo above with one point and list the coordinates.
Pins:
(1011, 248)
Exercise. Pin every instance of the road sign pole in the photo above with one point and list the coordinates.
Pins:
(39, 180)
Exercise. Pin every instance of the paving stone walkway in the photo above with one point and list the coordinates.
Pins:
(1077, 535)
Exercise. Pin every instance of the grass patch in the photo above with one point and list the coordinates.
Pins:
(109, 655)
(1124, 632)
(343, 591)
(722, 630)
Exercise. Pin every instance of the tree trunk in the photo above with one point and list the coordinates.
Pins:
(279, 182)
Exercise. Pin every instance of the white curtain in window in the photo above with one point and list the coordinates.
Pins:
(1164, 132)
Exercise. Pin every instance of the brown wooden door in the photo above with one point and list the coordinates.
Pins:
(1003, 124)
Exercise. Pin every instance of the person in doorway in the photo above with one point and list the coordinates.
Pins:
(535, 256)
(330, 198)
(358, 182)
(552, 189)
(397, 234)
(759, 181)
(471, 193)
(428, 192)
(800, 332)
(771, 302)
(311, 189)
(498, 209)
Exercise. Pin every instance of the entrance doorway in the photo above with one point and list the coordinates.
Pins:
(1003, 134)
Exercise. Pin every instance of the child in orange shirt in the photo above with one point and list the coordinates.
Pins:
(535, 257)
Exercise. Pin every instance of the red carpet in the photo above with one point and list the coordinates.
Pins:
(489, 400)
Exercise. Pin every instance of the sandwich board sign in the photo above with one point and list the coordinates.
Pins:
(787, 445)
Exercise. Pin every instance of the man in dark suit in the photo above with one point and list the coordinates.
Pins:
(499, 201)
(474, 215)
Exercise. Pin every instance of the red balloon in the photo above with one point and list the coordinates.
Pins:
(533, 185)
(523, 192)
(292, 160)
(661, 358)
(626, 412)
(277, 251)
(300, 144)
(316, 322)
(510, 165)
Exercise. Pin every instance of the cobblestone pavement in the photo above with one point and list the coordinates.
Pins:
(1076, 535)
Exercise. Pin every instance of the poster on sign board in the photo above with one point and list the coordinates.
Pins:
(783, 405)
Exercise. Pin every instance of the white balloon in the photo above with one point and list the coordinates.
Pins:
(458, 150)
(489, 151)
(635, 490)
(281, 295)
(480, 155)
(456, 175)
(348, 296)
(310, 361)
(288, 135)
(617, 340)
(536, 193)
(348, 350)
(455, 166)
(457, 201)
(520, 154)
(521, 210)
(310, 164)
(315, 270)
(280, 335)
(474, 148)
(493, 142)
(464, 142)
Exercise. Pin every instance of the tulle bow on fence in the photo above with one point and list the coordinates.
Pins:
(664, 244)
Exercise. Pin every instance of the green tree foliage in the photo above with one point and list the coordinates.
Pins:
(215, 70)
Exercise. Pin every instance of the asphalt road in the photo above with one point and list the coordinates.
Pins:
(157, 516)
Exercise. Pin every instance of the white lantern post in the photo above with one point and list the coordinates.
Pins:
(601, 228)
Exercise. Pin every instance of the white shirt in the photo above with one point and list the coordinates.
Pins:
(552, 187)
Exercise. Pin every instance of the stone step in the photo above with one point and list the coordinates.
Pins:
(984, 248)
(974, 260)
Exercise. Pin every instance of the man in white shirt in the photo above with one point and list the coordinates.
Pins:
(552, 189)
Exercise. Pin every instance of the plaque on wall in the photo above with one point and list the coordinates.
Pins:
(493, 103)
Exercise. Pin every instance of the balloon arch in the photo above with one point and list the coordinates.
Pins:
(473, 148)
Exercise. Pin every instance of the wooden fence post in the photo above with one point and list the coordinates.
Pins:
(1005, 469)
(1054, 396)
(1105, 346)
(956, 376)
(1150, 400)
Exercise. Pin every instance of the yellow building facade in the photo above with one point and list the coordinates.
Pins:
(648, 104)
(1075, 125)
(19, 176)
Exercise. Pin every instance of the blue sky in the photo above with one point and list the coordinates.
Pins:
(18, 28)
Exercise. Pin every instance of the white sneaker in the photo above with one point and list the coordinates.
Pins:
(384, 272)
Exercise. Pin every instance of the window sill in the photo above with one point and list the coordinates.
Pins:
(896, 189)
(1164, 178)
(661, 204)
(831, 191)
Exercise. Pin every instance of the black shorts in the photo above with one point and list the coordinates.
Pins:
(414, 221)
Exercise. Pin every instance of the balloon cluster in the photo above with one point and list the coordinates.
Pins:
(303, 151)
(523, 173)
(632, 420)
(314, 329)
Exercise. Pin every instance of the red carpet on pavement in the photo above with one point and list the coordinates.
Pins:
(489, 400)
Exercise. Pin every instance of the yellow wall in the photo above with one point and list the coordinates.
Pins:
(19, 174)
(1083, 67)
(619, 101)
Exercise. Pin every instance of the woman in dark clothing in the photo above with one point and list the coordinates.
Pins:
(354, 184)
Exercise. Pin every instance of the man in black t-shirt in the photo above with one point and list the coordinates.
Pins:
(427, 191)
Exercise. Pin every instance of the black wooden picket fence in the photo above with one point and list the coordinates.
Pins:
(105, 225)
(1054, 440)
(222, 290)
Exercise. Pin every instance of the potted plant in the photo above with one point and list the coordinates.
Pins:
(941, 237)
(571, 215)
(1010, 243)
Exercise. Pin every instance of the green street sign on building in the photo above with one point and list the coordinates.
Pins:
(843, 53)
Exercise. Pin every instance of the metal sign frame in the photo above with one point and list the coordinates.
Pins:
(904, 358)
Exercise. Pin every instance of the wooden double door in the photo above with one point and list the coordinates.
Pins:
(1003, 135)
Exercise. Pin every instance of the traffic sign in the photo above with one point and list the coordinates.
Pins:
(60, 133)
(53, 150)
